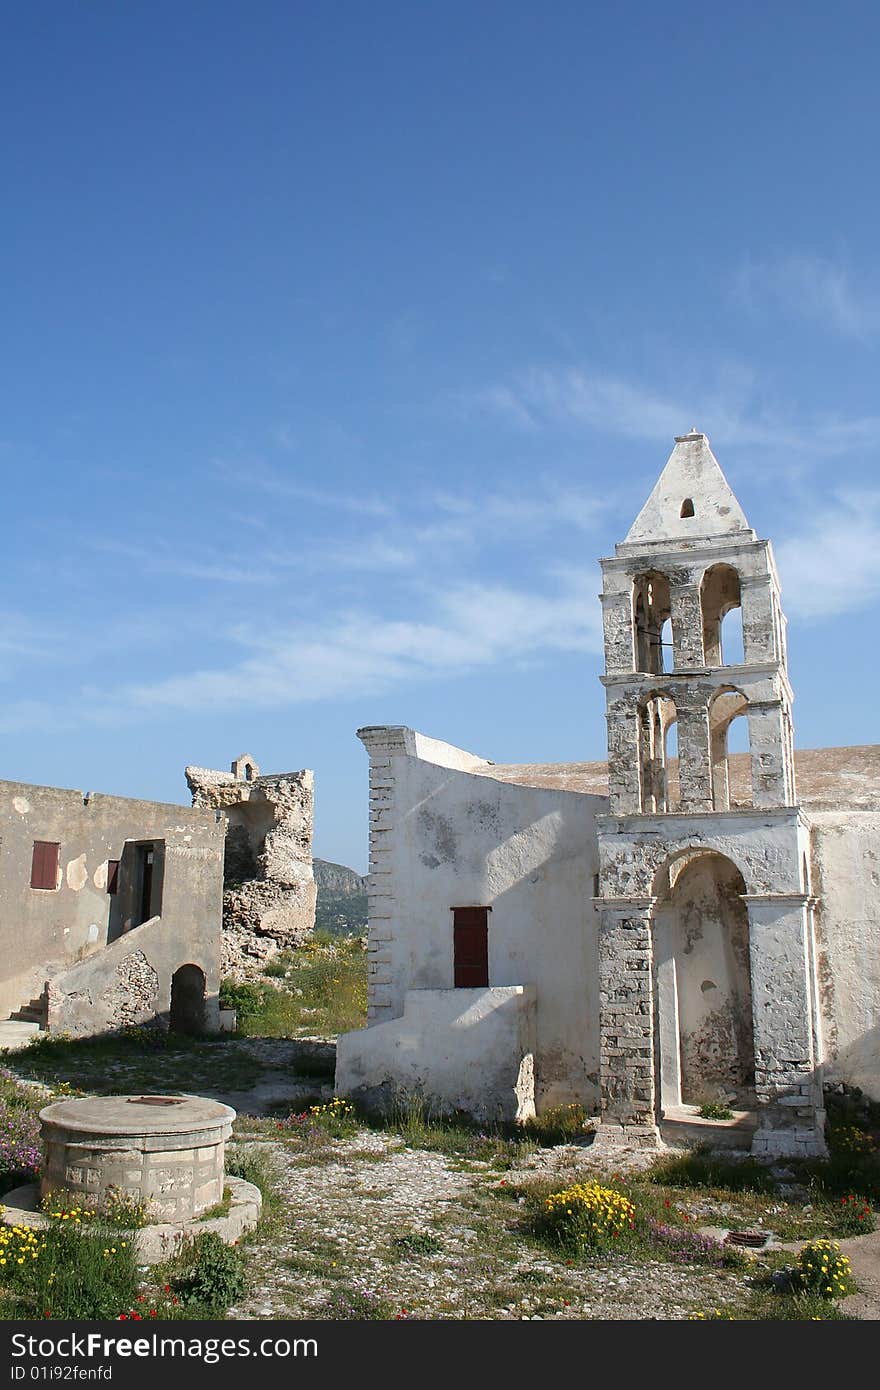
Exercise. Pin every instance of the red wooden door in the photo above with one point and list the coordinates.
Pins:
(470, 933)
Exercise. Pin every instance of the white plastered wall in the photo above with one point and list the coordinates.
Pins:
(458, 838)
(845, 865)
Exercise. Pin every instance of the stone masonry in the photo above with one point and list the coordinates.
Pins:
(269, 888)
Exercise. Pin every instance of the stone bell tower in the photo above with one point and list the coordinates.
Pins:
(688, 560)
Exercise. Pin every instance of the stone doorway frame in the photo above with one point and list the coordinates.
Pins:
(788, 1074)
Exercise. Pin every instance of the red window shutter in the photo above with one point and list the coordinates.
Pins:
(44, 865)
(470, 934)
(112, 875)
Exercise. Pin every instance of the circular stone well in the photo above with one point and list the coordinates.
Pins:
(164, 1151)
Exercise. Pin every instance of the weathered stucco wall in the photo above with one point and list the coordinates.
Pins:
(46, 931)
(470, 1050)
(444, 838)
(131, 983)
(845, 874)
(701, 934)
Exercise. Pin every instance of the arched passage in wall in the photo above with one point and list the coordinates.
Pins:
(652, 623)
(721, 605)
(729, 736)
(705, 1032)
(657, 717)
(187, 1000)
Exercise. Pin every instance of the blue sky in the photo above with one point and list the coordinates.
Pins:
(340, 340)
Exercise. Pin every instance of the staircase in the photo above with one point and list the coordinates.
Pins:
(36, 1011)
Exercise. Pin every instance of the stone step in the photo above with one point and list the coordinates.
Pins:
(34, 1011)
(15, 1034)
(683, 1128)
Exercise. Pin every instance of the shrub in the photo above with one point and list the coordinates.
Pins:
(358, 1303)
(821, 1269)
(336, 1119)
(117, 1211)
(701, 1170)
(214, 1276)
(20, 1147)
(586, 1214)
(685, 1246)
(855, 1216)
(712, 1110)
(70, 1270)
(560, 1125)
(246, 998)
(849, 1139)
(416, 1243)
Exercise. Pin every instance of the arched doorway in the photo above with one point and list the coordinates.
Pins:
(705, 1029)
(187, 1000)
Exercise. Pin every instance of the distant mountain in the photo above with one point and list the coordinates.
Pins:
(337, 879)
(342, 899)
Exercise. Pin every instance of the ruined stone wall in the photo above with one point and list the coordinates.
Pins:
(269, 888)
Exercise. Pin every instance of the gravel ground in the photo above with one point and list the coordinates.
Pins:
(343, 1214)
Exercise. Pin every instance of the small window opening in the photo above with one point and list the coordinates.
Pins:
(470, 934)
(248, 772)
(687, 507)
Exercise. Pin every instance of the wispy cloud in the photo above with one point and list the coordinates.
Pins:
(811, 287)
(256, 475)
(611, 405)
(158, 559)
(830, 564)
(466, 627)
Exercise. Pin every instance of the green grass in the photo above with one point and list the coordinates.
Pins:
(82, 1272)
(319, 988)
(705, 1170)
(422, 1126)
(220, 1208)
(563, 1124)
(119, 1063)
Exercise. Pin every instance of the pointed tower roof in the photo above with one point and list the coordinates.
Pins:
(691, 498)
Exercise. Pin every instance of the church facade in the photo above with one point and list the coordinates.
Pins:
(681, 924)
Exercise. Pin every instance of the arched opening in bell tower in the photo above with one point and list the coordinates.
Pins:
(652, 623)
(721, 605)
(658, 719)
(730, 748)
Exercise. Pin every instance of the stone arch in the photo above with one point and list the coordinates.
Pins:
(657, 714)
(720, 594)
(702, 962)
(187, 1012)
(652, 609)
(727, 704)
(244, 769)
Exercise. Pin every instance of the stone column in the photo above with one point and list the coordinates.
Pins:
(768, 742)
(788, 1076)
(624, 774)
(759, 619)
(694, 764)
(720, 774)
(626, 1023)
(383, 744)
(617, 623)
(687, 625)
